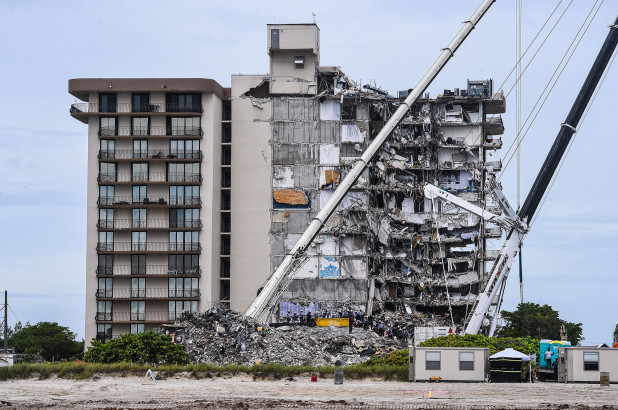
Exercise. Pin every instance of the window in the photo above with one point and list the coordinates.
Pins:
(138, 218)
(107, 102)
(104, 332)
(139, 171)
(137, 328)
(184, 218)
(106, 194)
(226, 200)
(183, 102)
(138, 288)
(107, 149)
(107, 172)
(348, 112)
(226, 137)
(299, 62)
(225, 244)
(184, 172)
(183, 264)
(225, 268)
(106, 242)
(105, 265)
(141, 102)
(138, 310)
(224, 292)
(183, 126)
(139, 194)
(226, 178)
(177, 306)
(432, 360)
(591, 361)
(105, 288)
(104, 310)
(274, 38)
(184, 195)
(138, 241)
(226, 222)
(183, 288)
(466, 360)
(226, 155)
(185, 149)
(184, 241)
(106, 218)
(138, 264)
(108, 126)
(140, 126)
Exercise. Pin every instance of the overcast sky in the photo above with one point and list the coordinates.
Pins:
(569, 255)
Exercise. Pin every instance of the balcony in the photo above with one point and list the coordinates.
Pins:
(105, 270)
(130, 224)
(159, 130)
(149, 270)
(104, 316)
(138, 316)
(183, 293)
(126, 317)
(186, 224)
(78, 109)
(131, 177)
(120, 200)
(155, 293)
(104, 293)
(128, 247)
(152, 154)
(107, 177)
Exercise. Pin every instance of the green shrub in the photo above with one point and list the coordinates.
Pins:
(526, 345)
(147, 347)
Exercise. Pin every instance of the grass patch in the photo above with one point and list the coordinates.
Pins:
(81, 371)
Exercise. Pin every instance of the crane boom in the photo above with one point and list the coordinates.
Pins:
(511, 247)
(278, 281)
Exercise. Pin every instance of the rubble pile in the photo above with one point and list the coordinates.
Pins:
(222, 336)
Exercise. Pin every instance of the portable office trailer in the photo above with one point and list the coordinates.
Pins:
(581, 364)
(458, 364)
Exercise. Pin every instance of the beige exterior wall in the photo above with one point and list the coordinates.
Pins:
(608, 362)
(210, 191)
(295, 40)
(251, 199)
(449, 364)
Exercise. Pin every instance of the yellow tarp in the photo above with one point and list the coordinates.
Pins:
(340, 322)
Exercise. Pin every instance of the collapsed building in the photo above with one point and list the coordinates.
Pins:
(386, 247)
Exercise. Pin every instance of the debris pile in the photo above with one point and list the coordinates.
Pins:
(222, 336)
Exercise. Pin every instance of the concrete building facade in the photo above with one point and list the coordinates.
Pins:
(157, 219)
(173, 225)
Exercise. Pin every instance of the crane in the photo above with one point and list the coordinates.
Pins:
(261, 306)
(516, 224)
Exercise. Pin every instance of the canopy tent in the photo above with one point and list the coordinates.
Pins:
(510, 354)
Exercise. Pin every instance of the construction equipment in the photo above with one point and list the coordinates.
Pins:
(486, 309)
(261, 306)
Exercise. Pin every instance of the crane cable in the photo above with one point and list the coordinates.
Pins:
(574, 136)
(554, 83)
(480, 120)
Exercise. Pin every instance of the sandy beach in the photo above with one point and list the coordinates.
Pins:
(185, 391)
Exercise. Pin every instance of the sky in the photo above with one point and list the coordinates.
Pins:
(568, 256)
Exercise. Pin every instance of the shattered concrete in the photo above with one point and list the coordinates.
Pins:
(223, 336)
(386, 248)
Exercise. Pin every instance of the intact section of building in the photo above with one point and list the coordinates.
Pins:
(386, 246)
(158, 199)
